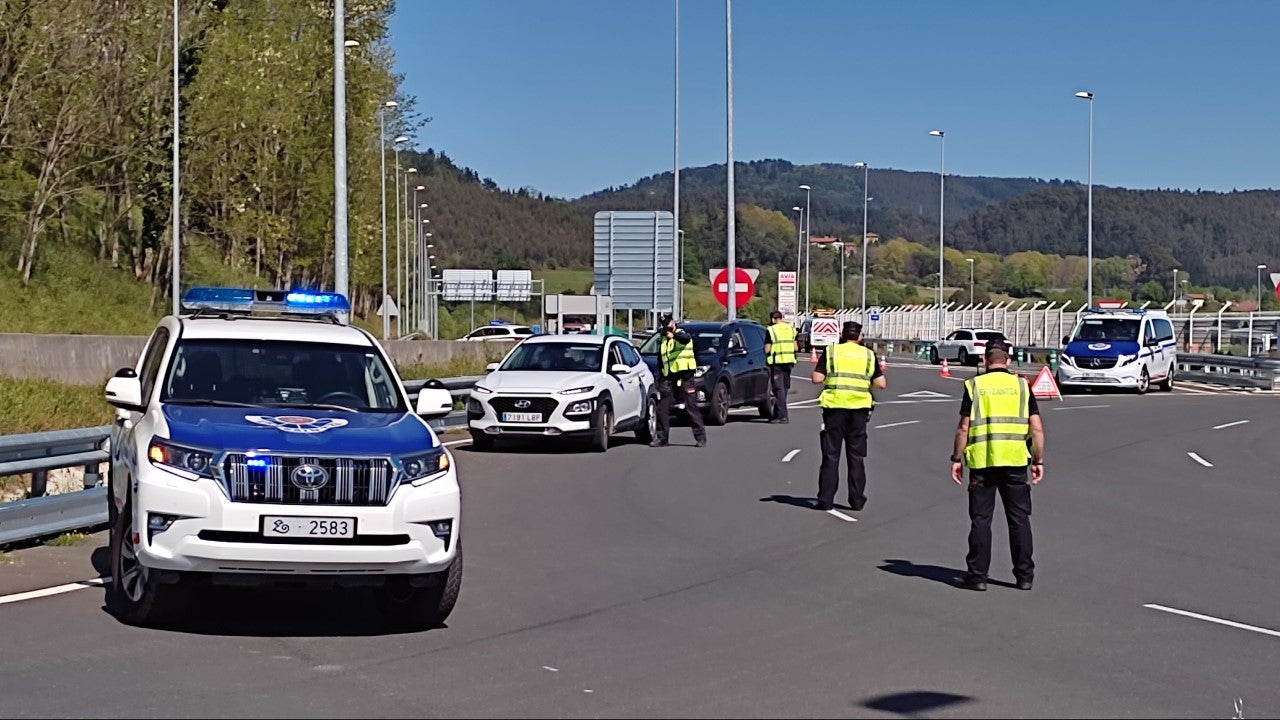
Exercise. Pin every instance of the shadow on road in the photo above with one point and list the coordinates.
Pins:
(936, 573)
(100, 559)
(545, 446)
(808, 503)
(912, 704)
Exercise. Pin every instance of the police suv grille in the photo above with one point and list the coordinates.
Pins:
(1096, 363)
(543, 405)
(268, 479)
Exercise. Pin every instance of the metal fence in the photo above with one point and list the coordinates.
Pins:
(1040, 323)
(36, 454)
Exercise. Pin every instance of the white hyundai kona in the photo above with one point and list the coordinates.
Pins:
(585, 386)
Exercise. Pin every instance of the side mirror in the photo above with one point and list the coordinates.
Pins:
(1066, 340)
(124, 391)
(619, 369)
(1152, 342)
(490, 367)
(434, 403)
(737, 351)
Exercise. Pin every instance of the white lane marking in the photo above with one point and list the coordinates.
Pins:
(456, 442)
(841, 515)
(798, 403)
(1230, 424)
(1210, 618)
(924, 394)
(55, 590)
(1080, 407)
(1199, 459)
(549, 668)
(910, 402)
(806, 379)
(790, 455)
(905, 422)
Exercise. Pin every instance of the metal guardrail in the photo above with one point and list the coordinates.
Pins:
(1250, 372)
(40, 515)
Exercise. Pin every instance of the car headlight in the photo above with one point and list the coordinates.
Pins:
(1067, 359)
(481, 389)
(581, 407)
(577, 390)
(425, 466)
(702, 370)
(1125, 359)
(185, 462)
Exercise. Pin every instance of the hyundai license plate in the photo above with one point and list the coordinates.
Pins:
(295, 526)
(522, 417)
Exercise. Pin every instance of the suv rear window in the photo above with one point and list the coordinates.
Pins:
(989, 336)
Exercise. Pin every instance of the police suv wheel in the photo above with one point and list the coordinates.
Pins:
(1166, 385)
(137, 594)
(1144, 382)
(408, 606)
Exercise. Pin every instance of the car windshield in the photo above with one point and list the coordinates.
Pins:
(273, 373)
(1108, 329)
(556, 357)
(704, 341)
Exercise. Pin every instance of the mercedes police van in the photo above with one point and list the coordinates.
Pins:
(259, 438)
(1119, 348)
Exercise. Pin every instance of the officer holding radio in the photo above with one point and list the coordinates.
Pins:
(999, 435)
(676, 366)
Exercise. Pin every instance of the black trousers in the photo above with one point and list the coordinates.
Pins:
(780, 384)
(847, 428)
(1015, 494)
(667, 389)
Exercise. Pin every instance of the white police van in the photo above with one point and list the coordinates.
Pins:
(252, 447)
(1119, 348)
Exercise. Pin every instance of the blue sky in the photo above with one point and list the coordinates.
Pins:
(570, 96)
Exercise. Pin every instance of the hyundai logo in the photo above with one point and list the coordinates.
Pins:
(309, 477)
(522, 404)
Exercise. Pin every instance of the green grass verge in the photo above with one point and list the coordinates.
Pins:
(67, 539)
(7, 558)
(39, 405)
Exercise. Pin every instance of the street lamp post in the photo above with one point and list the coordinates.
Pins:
(942, 185)
(1084, 95)
(679, 314)
(177, 172)
(675, 212)
(865, 170)
(398, 194)
(808, 241)
(340, 44)
(1175, 287)
(1260, 269)
(970, 261)
(382, 157)
(728, 48)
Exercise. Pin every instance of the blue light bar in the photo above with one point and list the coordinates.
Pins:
(293, 302)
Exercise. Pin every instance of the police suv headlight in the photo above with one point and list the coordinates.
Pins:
(424, 467)
(576, 391)
(702, 370)
(1123, 360)
(1067, 359)
(582, 407)
(185, 462)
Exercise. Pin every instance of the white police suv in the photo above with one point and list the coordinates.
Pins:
(552, 386)
(252, 448)
(1119, 348)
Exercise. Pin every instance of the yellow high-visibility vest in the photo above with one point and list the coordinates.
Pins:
(848, 377)
(999, 423)
(677, 358)
(782, 344)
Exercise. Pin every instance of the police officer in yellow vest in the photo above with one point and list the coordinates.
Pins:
(999, 434)
(780, 352)
(847, 372)
(676, 366)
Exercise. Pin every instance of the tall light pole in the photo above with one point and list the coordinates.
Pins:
(865, 170)
(1175, 287)
(398, 194)
(970, 261)
(799, 237)
(177, 174)
(1084, 95)
(678, 300)
(808, 237)
(942, 195)
(382, 158)
(1260, 269)
(340, 268)
(402, 270)
(728, 66)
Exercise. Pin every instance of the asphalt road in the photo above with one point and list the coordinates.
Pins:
(696, 582)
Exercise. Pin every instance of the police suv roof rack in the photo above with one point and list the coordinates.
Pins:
(230, 303)
(1110, 311)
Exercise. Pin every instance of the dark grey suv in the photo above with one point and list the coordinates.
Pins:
(732, 369)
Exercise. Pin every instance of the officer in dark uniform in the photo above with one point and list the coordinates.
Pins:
(676, 366)
(780, 352)
(847, 372)
(999, 434)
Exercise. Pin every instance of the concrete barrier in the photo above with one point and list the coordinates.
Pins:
(91, 359)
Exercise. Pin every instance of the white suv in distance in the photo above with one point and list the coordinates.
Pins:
(498, 333)
(250, 449)
(555, 386)
(965, 346)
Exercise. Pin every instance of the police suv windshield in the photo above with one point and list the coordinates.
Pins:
(272, 373)
(556, 357)
(704, 341)
(1108, 330)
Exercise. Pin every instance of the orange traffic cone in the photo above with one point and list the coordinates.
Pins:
(813, 354)
(946, 371)
(883, 365)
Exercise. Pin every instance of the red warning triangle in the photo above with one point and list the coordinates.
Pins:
(1045, 386)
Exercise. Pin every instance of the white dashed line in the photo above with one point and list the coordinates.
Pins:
(548, 668)
(788, 456)
(1199, 459)
(1080, 407)
(841, 515)
(1230, 424)
(456, 442)
(56, 590)
(1210, 618)
(905, 422)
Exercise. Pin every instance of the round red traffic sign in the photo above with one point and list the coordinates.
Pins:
(745, 290)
